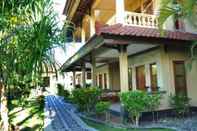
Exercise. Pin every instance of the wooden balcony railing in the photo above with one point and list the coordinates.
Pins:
(137, 19)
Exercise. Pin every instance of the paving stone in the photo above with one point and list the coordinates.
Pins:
(60, 116)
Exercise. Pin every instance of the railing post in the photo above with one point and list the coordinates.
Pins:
(143, 20)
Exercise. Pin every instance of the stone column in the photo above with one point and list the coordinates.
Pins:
(83, 68)
(123, 63)
(120, 11)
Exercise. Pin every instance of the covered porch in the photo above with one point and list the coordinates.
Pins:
(106, 54)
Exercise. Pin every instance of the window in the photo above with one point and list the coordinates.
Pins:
(153, 77)
(145, 7)
(179, 77)
(130, 78)
(46, 82)
(140, 78)
(105, 81)
(100, 81)
(89, 75)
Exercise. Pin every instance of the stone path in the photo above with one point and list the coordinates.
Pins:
(60, 116)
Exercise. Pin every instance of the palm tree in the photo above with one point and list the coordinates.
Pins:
(28, 34)
(180, 9)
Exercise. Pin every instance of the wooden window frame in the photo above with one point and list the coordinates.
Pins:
(137, 86)
(174, 73)
(130, 79)
(151, 76)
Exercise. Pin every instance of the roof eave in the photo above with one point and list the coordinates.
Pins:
(94, 42)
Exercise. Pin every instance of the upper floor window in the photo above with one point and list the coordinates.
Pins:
(146, 6)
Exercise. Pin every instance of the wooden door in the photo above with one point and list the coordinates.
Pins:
(140, 78)
(180, 77)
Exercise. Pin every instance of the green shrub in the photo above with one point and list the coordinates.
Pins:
(180, 102)
(66, 94)
(40, 101)
(136, 102)
(86, 98)
(62, 91)
(102, 107)
(153, 103)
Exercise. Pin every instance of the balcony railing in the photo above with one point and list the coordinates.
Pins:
(137, 19)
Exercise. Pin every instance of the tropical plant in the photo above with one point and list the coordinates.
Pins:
(180, 9)
(102, 107)
(28, 35)
(60, 89)
(40, 101)
(135, 102)
(63, 92)
(86, 98)
(180, 102)
(153, 103)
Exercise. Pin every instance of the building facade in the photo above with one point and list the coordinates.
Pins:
(124, 49)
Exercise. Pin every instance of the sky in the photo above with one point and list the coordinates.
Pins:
(62, 55)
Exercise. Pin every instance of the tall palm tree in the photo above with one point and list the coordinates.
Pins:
(28, 34)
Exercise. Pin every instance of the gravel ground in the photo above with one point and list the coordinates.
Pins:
(60, 116)
(184, 124)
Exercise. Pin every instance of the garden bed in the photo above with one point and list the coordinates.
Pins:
(103, 125)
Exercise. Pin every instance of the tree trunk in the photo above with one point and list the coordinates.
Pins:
(4, 108)
(137, 121)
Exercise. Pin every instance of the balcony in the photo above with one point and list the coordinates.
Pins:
(137, 19)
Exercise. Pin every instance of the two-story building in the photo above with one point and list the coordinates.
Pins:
(125, 50)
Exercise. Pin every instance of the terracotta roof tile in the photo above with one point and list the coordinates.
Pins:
(121, 30)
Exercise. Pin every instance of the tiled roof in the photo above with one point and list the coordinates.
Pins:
(134, 31)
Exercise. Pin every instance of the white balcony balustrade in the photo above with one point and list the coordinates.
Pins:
(137, 19)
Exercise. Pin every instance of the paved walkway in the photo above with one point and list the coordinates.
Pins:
(60, 116)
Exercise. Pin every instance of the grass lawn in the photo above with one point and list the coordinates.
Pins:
(101, 127)
(29, 117)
